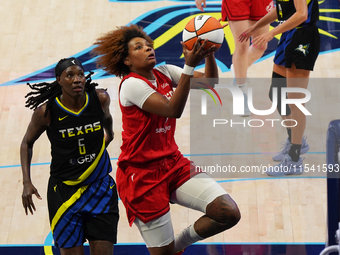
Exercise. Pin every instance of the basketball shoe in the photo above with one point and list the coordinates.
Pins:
(247, 112)
(232, 70)
(285, 149)
(287, 167)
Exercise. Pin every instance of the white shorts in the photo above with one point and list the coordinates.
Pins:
(196, 194)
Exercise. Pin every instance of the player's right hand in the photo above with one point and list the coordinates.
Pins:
(198, 53)
(26, 196)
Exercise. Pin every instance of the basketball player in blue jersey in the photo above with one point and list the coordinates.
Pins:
(295, 57)
(82, 196)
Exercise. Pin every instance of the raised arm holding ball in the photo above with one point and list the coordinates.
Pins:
(152, 172)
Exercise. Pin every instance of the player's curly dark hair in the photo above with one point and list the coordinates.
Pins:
(112, 48)
(45, 91)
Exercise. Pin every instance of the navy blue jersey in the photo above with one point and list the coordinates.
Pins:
(285, 9)
(301, 45)
(77, 141)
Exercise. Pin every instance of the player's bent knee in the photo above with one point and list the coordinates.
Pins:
(264, 47)
(224, 210)
(242, 48)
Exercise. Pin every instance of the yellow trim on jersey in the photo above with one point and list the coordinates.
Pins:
(70, 111)
(67, 205)
(88, 171)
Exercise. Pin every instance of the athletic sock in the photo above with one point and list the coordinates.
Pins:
(289, 132)
(243, 87)
(294, 152)
(186, 237)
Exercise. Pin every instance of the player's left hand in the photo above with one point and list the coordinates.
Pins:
(260, 41)
(245, 35)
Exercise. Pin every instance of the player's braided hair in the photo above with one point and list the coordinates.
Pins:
(45, 91)
(112, 48)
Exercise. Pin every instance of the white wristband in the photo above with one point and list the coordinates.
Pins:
(188, 70)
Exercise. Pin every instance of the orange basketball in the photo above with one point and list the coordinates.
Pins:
(206, 27)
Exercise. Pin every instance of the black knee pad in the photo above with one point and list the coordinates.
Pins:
(278, 81)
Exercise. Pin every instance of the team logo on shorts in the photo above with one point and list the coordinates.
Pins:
(303, 49)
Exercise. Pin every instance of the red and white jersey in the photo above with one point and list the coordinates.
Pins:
(146, 136)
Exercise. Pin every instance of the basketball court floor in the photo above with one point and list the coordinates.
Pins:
(284, 215)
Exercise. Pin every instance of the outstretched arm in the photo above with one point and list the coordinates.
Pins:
(173, 108)
(211, 70)
(296, 19)
(267, 19)
(35, 128)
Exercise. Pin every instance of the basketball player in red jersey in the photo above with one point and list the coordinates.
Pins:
(241, 15)
(151, 170)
